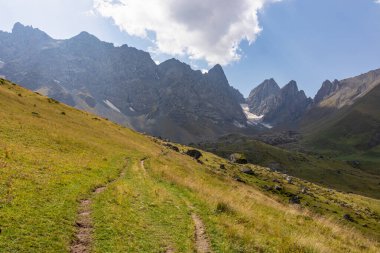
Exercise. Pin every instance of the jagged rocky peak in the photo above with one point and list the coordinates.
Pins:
(264, 97)
(216, 74)
(217, 69)
(174, 71)
(173, 64)
(326, 90)
(19, 28)
(345, 92)
(290, 89)
(265, 89)
(279, 106)
(85, 37)
(29, 33)
(217, 77)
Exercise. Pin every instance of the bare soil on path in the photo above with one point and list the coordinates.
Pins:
(83, 237)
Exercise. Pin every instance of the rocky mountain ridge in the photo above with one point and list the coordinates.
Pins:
(279, 106)
(286, 107)
(123, 84)
(170, 99)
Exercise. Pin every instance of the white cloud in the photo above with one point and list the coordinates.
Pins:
(377, 1)
(200, 29)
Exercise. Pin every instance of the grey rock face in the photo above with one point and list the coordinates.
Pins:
(124, 84)
(326, 90)
(264, 97)
(291, 106)
(280, 107)
(287, 107)
(346, 92)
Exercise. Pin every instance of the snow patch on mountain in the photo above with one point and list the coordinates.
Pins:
(251, 118)
(267, 125)
(112, 106)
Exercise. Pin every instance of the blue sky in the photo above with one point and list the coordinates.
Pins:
(303, 40)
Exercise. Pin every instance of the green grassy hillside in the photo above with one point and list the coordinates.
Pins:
(60, 167)
(350, 134)
(352, 130)
(320, 169)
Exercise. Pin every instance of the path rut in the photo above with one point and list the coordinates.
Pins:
(83, 236)
(202, 242)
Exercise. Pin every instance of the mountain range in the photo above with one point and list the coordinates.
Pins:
(170, 99)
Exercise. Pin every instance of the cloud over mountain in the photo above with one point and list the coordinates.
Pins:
(210, 30)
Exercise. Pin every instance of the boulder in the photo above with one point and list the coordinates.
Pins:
(194, 153)
(348, 217)
(278, 188)
(238, 179)
(247, 171)
(295, 199)
(238, 158)
(172, 147)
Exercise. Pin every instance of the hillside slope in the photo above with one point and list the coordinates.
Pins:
(353, 130)
(64, 171)
(320, 169)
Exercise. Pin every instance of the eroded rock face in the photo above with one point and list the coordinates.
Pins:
(263, 98)
(124, 84)
(346, 92)
(292, 104)
(280, 107)
(326, 90)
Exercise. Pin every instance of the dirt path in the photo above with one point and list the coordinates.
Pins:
(83, 239)
(170, 250)
(202, 242)
(143, 166)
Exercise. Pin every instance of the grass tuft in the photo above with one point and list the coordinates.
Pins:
(222, 207)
